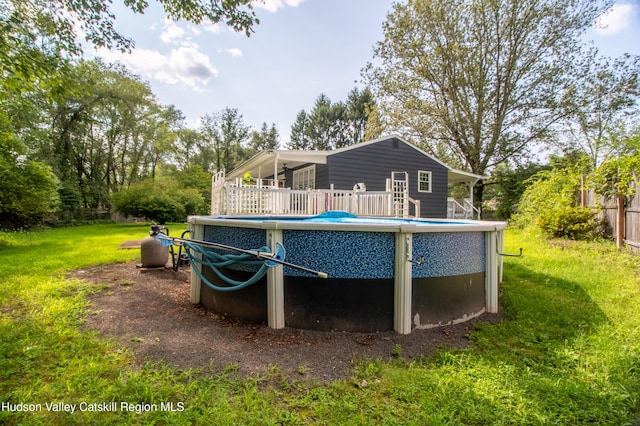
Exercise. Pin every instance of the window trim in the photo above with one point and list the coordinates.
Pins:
(420, 181)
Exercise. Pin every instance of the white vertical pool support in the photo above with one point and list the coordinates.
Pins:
(500, 249)
(196, 233)
(402, 285)
(275, 285)
(491, 273)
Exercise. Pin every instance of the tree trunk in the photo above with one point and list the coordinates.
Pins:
(478, 191)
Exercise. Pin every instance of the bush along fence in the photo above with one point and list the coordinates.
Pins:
(625, 222)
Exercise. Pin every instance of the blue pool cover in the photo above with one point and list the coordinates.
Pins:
(344, 217)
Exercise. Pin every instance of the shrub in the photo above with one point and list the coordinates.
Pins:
(549, 201)
(576, 223)
(508, 187)
(192, 201)
(160, 202)
(28, 194)
(546, 191)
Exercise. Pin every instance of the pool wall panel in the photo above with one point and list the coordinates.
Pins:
(339, 304)
(447, 300)
(249, 303)
(341, 254)
(449, 253)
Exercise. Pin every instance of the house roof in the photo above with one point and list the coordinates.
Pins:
(272, 162)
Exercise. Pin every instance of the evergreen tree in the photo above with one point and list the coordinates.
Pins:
(299, 138)
(266, 138)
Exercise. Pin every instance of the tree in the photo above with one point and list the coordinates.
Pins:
(100, 131)
(480, 78)
(375, 126)
(234, 135)
(359, 104)
(28, 193)
(193, 176)
(332, 125)
(98, 128)
(224, 135)
(266, 138)
(60, 18)
(186, 148)
(106, 131)
(33, 45)
(600, 101)
(507, 186)
(323, 123)
(299, 138)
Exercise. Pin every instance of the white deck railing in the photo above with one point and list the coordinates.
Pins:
(246, 200)
(462, 209)
(230, 199)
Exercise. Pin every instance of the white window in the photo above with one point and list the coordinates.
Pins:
(424, 181)
(305, 178)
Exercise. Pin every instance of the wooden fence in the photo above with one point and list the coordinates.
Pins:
(610, 215)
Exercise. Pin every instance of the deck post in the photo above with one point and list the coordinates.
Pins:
(275, 285)
(402, 284)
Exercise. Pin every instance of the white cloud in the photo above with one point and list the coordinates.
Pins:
(234, 52)
(172, 32)
(212, 28)
(274, 5)
(615, 19)
(184, 65)
(175, 34)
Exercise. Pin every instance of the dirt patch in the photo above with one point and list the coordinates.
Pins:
(151, 313)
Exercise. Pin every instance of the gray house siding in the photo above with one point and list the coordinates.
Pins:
(322, 176)
(373, 164)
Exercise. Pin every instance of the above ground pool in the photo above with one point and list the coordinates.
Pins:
(382, 273)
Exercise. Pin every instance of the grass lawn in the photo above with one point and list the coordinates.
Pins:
(567, 353)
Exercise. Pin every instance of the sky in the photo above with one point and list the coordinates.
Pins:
(300, 49)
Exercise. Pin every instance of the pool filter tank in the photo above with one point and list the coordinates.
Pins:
(152, 253)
